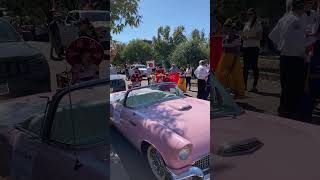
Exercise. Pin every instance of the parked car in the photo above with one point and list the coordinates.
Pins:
(278, 148)
(113, 69)
(60, 135)
(117, 83)
(23, 69)
(171, 130)
(142, 68)
(42, 33)
(99, 19)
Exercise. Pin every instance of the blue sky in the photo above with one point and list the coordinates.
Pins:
(189, 13)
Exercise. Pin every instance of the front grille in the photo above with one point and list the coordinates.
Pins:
(9, 69)
(203, 163)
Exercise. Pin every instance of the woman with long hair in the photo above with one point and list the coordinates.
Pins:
(251, 35)
(228, 71)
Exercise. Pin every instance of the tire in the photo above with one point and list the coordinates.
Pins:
(154, 159)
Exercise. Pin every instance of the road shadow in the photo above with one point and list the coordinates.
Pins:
(132, 160)
(277, 95)
(249, 107)
(220, 168)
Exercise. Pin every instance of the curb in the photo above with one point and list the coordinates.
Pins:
(267, 76)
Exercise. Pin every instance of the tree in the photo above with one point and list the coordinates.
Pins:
(137, 51)
(38, 10)
(119, 57)
(124, 13)
(196, 35)
(163, 45)
(190, 52)
(178, 35)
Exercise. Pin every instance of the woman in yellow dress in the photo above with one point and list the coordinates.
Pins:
(229, 71)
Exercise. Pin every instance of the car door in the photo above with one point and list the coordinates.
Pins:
(130, 119)
(27, 143)
(25, 152)
(76, 147)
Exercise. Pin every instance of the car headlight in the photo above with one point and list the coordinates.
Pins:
(185, 153)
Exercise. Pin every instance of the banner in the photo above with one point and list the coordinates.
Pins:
(152, 63)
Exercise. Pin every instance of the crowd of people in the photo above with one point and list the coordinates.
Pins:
(296, 38)
(182, 76)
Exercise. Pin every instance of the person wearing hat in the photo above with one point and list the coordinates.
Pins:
(251, 35)
(202, 74)
(229, 71)
(87, 30)
(290, 38)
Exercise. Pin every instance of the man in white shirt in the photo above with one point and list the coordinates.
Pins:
(290, 38)
(202, 74)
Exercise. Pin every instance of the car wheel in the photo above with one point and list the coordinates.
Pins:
(157, 164)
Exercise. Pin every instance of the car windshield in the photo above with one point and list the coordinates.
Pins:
(28, 113)
(7, 33)
(222, 103)
(149, 95)
(117, 85)
(140, 66)
(95, 16)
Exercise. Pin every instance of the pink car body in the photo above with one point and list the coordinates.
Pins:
(168, 128)
(290, 148)
(27, 154)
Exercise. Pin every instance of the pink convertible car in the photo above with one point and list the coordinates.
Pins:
(56, 136)
(254, 146)
(169, 128)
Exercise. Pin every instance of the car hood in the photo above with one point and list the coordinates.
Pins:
(291, 148)
(15, 111)
(100, 24)
(17, 50)
(192, 124)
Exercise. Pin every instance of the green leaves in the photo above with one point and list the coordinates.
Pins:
(137, 51)
(124, 13)
(190, 52)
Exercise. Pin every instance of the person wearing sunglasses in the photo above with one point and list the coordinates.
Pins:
(251, 35)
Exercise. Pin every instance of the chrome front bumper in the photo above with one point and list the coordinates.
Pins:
(191, 172)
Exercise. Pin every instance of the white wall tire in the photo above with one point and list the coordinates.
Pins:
(156, 163)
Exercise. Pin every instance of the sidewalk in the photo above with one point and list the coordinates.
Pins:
(267, 100)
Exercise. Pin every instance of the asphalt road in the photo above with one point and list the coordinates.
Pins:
(267, 99)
